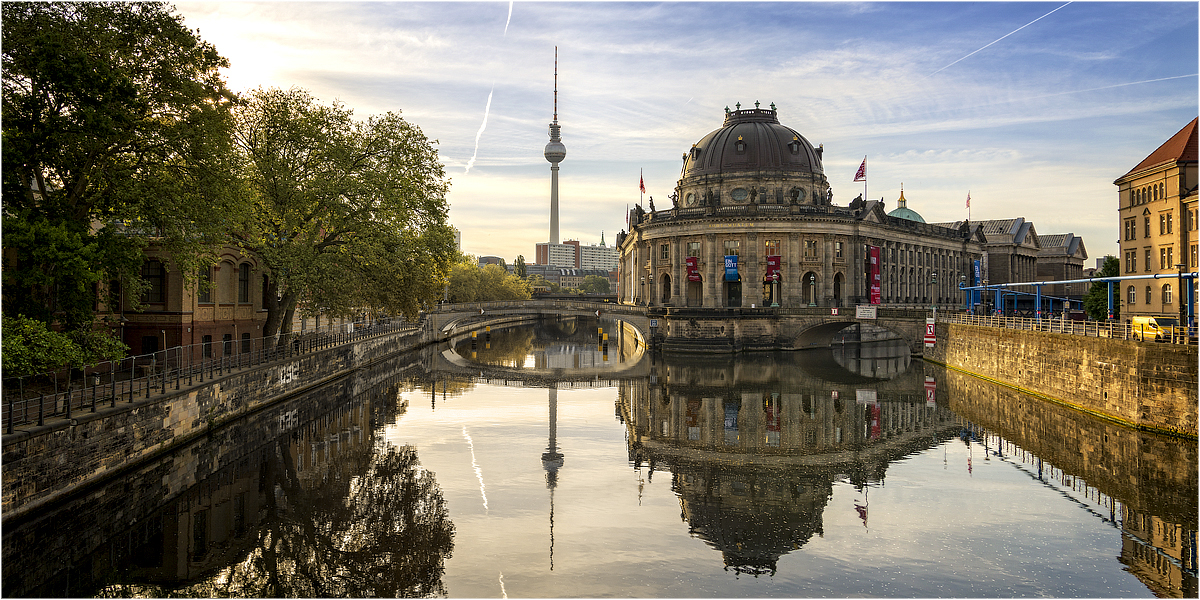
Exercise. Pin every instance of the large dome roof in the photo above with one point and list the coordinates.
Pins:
(752, 140)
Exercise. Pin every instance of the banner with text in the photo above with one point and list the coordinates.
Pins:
(731, 273)
(693, 268)
(873, 274)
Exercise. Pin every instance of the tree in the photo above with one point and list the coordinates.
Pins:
(468, 282)
(115, 130)
(1095, 302)
(594, 284)
(348, 214)
(519, 266)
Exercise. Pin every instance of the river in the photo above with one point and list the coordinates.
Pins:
(545, 461)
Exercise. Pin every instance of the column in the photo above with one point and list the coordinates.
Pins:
(712, 266)
(825, 297)
(752, 273)
(792, 271)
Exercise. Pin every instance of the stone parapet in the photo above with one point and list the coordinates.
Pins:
(1145, 385)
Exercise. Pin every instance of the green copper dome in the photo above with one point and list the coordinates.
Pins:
(904, 212)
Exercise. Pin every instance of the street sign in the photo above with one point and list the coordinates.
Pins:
(930, 338)
(864, 312)
(833, 311)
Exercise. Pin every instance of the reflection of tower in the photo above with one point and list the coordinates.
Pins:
(552, 461)
(555, 153)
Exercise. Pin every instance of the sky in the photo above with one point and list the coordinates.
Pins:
(1032, 108)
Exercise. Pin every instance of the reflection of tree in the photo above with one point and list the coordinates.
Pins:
(370, 522)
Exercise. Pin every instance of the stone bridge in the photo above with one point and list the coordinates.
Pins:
(713, 330)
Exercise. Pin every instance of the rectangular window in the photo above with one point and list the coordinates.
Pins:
(664, 252)
(693, 249)
(152, 272)
(245, 343)
(1162, 258)
(1170, 216)
(227, 343)
(1162, 224)
(244, 283)
(207, 346)
(1147, 228)
(772, 247)
(1166, 293)
(204, 286)
(1170, 257)
(1194, 256)
(732, 248)
(810, 248)
(1147, 294)
(1149, 263)
(837, 250)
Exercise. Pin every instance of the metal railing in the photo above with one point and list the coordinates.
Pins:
(32, 400)
(1109, 329)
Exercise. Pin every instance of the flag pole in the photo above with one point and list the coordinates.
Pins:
(641, 187)
(864, 178)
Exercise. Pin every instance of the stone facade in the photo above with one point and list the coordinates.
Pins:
(1157, 208)
(1141, 384)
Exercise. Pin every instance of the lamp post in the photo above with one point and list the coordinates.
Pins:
(1182, 299)
(812, 283)
(962, 283)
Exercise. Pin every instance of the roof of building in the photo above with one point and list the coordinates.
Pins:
(1180, 148)
(1015, 231)
(1067, 244)
(752, 140)
(903, 211)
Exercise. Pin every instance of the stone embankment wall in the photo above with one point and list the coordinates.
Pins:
(44, 463)
(1146, 385)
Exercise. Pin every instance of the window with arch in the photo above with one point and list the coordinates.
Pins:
(1131, 294)
(1148, 288)
(243, 283)
(1166, 293)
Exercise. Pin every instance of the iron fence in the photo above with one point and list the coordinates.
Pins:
(34, 399)
(1109, 329)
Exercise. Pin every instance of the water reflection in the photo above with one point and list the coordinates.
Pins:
(754, 443)
(319, 507)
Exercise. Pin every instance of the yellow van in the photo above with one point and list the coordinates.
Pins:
(1156, 328)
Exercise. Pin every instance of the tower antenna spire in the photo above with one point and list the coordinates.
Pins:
(556, 84)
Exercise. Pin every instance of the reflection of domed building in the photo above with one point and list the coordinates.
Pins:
(755, 444)
(755, 190)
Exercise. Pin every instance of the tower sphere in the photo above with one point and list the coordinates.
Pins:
(555, 150)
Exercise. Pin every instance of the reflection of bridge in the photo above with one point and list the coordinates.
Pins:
(539, 351)
(696, 329)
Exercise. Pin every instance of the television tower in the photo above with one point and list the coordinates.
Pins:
(555, 153)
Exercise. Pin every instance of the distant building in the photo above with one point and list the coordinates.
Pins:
(1158, 214)
(490, 260)
(580, 256)
(1061, 258)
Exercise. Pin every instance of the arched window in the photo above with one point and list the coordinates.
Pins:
(1132, 299)
(1147, 294)
(244, 283)
(1166, 293)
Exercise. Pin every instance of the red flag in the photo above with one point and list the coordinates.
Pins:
(968, 199)
(861, 175)
(641, 183)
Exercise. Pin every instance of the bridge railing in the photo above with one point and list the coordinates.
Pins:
(34, 399)
(1108, 329)
(581, 305)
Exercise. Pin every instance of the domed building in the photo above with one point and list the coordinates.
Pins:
(753, 223)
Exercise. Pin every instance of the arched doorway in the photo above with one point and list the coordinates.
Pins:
(837, 289)
(665, 285)
(695, 293)
(808, 288)
(733, 292)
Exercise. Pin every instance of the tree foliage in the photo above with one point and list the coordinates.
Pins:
(594, 284)
(116, 129)
(348, 214)
(1095, 302)
(468, 282)
(31, 348)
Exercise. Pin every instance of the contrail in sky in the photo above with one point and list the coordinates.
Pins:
(478, 134)
(509, 17)
(478, 471)
(1002, 37)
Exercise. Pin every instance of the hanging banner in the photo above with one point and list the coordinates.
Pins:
(773, 263)
(731, 273)
(693, 268)
(873, 274)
